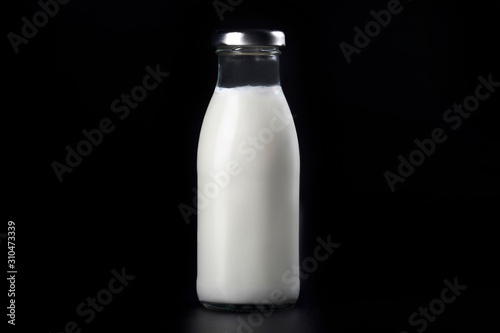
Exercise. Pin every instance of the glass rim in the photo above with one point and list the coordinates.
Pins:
(247, 50)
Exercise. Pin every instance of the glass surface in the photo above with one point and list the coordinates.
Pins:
(242, 66)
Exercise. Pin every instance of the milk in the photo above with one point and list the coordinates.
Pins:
(248, 198)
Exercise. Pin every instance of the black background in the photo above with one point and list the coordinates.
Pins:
(119, 207)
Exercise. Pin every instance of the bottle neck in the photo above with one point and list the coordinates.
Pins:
(243, 66)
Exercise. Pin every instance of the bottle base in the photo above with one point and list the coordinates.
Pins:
(247, 307)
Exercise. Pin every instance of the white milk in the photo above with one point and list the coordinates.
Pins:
(248, 198)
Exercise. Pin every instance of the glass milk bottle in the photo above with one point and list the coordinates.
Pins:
(248, 180)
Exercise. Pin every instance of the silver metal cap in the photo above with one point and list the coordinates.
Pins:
(250, 37)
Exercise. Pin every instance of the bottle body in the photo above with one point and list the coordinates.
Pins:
(248, 169)
(248, 198)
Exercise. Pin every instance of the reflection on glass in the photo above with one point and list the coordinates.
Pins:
(206, 321)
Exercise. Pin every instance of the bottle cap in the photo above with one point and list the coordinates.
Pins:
(248, 37)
